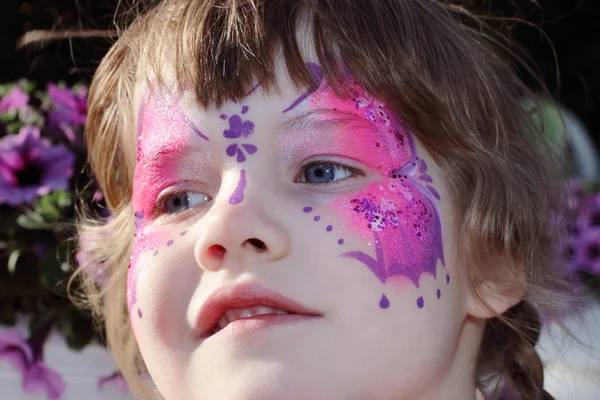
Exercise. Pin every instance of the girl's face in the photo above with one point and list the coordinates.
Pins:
(293, 246)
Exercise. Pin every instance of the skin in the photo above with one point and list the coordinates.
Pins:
(376, 339)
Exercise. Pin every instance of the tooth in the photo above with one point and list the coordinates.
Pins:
(245, 314)
(261, 310)
(223, 323)
(232, 315)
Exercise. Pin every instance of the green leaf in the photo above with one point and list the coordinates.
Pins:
(31, 220)
(14, 127)
(27, 86)
(8, 116)
(4, 89)
(12, 260)
(52, 206)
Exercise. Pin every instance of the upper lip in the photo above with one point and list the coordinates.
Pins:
(243, 296)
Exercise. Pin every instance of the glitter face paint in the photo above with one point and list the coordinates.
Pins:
(164, 132)
(399, 213)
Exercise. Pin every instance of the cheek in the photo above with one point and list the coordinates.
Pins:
(400, 219)
(150, 249)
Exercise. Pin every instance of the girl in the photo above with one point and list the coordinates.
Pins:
(333, 199)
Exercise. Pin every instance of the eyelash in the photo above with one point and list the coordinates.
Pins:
(354, 171)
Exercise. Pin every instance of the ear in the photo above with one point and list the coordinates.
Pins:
(493, 297)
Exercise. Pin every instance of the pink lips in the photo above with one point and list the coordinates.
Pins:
(245, 296)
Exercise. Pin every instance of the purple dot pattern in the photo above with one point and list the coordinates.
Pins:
(447, 278)
(329, 228)
(239, 129)
(183, 233)
(155, 253)
(420, 302)
(139, 313)
(170, 243)
(439, 293)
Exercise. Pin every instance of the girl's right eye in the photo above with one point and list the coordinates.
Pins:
(178, 202)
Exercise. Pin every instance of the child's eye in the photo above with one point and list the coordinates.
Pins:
(181, 201)
(320, 172)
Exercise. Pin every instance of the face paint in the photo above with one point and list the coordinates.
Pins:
(162, 138)
(238, 195)
(399, 213)
(317, 218)
(238, 129)
(317, 74)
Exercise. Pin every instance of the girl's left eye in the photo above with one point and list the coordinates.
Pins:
(320, 172)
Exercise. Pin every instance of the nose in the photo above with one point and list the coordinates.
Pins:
(243, 233)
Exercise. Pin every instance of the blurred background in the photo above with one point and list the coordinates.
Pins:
(48, 349)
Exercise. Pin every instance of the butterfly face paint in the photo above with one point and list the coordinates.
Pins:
(399, 214)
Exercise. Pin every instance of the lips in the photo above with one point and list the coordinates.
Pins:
(245, 296)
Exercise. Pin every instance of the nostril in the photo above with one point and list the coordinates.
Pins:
(217, 250)
(258, 244)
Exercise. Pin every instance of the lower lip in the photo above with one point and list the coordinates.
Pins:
(246, 325)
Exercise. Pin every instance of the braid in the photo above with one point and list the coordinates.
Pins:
(509, 366)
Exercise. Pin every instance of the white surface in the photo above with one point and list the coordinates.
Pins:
(573, 361)
(80, 371)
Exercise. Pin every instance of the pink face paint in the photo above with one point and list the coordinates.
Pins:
(238, 195)
(164, 134)
(399, 213)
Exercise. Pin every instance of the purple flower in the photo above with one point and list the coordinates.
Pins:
(68, 111)
(115, 379)
(16, 99)
(25, 356)
(31, 166)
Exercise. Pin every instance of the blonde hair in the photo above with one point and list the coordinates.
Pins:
(430, 62)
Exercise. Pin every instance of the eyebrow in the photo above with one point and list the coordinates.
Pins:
(321, 119)
(168, 153)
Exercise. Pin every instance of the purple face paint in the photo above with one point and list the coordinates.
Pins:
(317, 218)
(329, 228)
(447, 278)
(384, 302)
(439, 293)
(238, 195)
(420, 302)
(155, 253)
(341, 241)
(238, 129)
(170, 243)
(307, 209)
(183, 233)
(139, 313)
(400, 212)
(318, 76)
